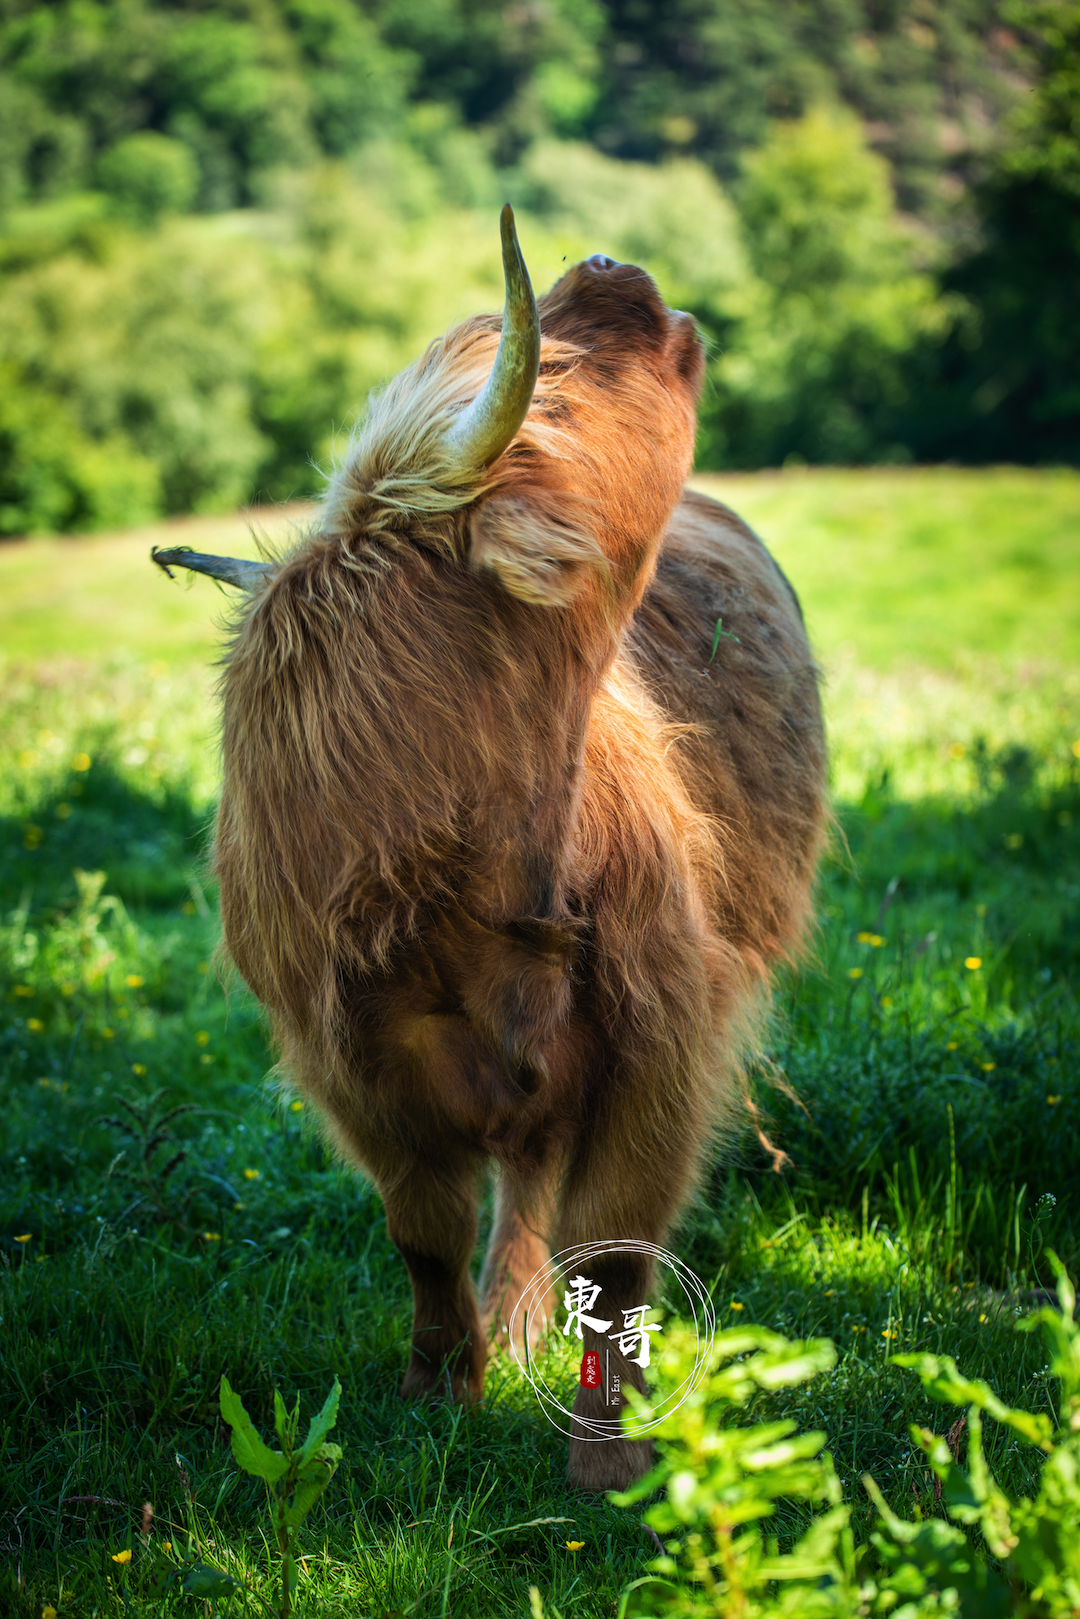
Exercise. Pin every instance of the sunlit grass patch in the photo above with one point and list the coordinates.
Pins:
(167, 1215)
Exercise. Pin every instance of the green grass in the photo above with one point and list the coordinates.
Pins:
(931, 1109)
(928, 566)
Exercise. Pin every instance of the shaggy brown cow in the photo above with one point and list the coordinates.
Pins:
(503, 851)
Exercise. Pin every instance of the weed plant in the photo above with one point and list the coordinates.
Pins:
(168, 1214)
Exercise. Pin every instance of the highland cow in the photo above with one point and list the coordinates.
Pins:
(508, 840)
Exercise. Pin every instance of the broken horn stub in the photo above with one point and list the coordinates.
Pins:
(485, 428)
(229, 570)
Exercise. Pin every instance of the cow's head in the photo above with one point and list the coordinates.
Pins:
(548, 449)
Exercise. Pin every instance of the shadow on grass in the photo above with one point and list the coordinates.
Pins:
(148, 839)
(927, 1056)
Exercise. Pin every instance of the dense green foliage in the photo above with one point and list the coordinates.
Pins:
(167, 1216)
(221, 226)
(723, 1481)
(1006, 375)
(265, 82)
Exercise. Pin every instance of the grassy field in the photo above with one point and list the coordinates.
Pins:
(168, 1214)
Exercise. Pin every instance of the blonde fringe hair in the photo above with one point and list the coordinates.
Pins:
(397, 473)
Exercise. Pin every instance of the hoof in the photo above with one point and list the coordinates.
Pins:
(435, 1384)
(607, 1464)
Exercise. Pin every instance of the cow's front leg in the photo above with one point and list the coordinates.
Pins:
(431, 1218)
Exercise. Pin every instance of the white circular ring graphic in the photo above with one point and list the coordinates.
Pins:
(700, 1309)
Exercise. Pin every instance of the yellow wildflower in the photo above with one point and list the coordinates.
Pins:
(296, 1107)
(1052, 1101)
(211, 1236)
(864, 938)
(252, 1174)
(27, 1237)
(108, 1034)
(953, 1045)
(854, 972)
(735, 1305)
(202, 1038)
(972, 963)
(988, 1067)
(133, 981)
(888, 1333)
(35, 1025)
(982, 1318)
(166, 1545)
(48, 1613)
(124, 1556)
(574, 1545)
(138, 1068)
(81, 761)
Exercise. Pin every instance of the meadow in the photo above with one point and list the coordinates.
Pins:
(170, 1212)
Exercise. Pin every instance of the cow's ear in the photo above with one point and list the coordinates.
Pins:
(538, 544)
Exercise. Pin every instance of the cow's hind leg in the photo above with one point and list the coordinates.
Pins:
(626, 1187)
(431, 1218)
(517, 1252)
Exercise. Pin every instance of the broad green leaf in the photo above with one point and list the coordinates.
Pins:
(942, 1381)
(320, 1425)
(770, 1456)
(286, 1422)
(815, 1555)
(249, 1450)
(164, 1576)
(306, 1493)
(801, 1362)
(961, 1499)
(204, 1581)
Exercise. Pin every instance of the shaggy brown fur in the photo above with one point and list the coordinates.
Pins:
(504, 855)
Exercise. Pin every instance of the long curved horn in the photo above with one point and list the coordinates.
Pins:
(482, 431)
(230, 570)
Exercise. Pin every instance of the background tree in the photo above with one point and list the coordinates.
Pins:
(1005, 384)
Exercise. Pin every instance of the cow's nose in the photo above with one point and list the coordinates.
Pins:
(600, 261)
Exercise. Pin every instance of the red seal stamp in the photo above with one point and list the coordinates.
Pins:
(591, 1376)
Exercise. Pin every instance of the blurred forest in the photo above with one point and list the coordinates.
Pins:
(221, 225)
